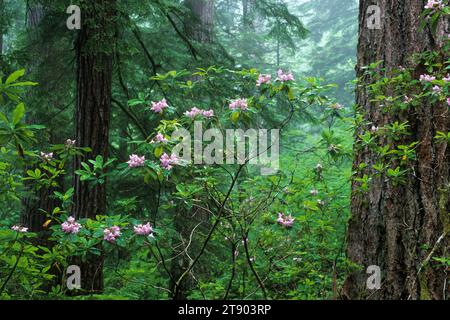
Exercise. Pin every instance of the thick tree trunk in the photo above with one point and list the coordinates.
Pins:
(394, 226)
(94, 77)
(200, 27)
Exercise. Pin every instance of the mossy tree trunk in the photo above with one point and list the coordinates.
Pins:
(397, 226)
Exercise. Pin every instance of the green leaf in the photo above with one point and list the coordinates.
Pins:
(14, 76)
(158, 152)
(18, 113)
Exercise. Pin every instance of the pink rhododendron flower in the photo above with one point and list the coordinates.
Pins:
(447, 78)
(159, 106)
(437, 89)
(168, 162)
(144, 230)
(239, 104)
(71, 226)
(47, 156)
(193, 112)
(448, 101)
(136, 161)
(19, 229)
(427, 78)
(283, 77)
(263, 78)
(111, 234)
(285, 221)
(159, 138)
(208, 113)
(434, 4)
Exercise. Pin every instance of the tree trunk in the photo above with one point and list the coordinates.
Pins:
(94, 77)
(200, 27)
(396, 226)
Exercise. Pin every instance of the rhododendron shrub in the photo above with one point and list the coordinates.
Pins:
(242, 211)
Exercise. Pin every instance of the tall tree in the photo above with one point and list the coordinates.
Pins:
(94, 49)
(396, 226)
(201, 27)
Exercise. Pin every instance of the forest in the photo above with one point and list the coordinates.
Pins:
(224, 150)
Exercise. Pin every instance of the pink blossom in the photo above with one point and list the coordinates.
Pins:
(208, 113)
(144, 229)
(283, 77)
(19, 229)
(448, 101)
(159, 138)
(111, 234)
(263, 78)
(168, 162)
(159, 106)
(447, 78)
(285, 221)
(239, 104)
(47, 156)
(427, 78)
(437, 89)
(193, 112)
(136, 161)
(71, 226)
(434, 4)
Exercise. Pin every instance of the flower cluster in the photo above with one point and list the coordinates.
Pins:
(71, 226)
(136, 161)
(111, 234)
(159, 138)
(434, 4)
(159, 106)
(437, 89)
(283, 77)
(199, 112)
(47, 156)
(285, 221)
(263, 78)
(427, 78)
(239, 104)
(167, 162)
(19, 229)
(144, 230)
(70, 143)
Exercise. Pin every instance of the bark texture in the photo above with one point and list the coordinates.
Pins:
(200, 25)
(396, 227)
(93, 110)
